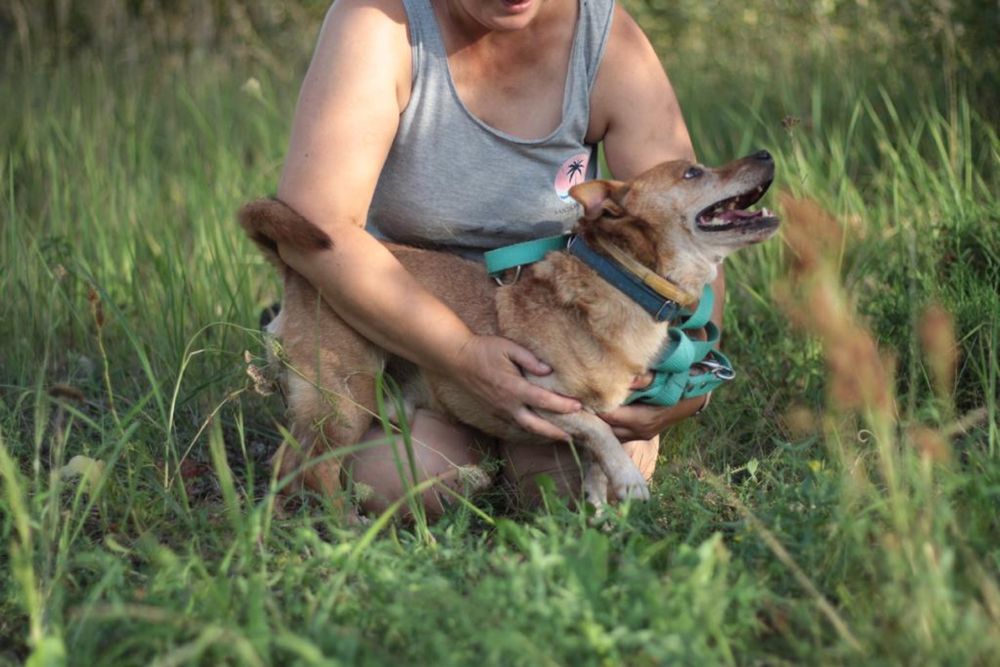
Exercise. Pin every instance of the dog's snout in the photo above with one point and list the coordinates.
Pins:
(763, 156)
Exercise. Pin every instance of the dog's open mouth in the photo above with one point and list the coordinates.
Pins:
(733, 213)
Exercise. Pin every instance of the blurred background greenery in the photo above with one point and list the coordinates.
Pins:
(952, 42)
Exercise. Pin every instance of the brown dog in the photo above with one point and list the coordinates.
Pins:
(677, 220)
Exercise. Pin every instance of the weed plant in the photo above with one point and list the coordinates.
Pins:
(837, 504)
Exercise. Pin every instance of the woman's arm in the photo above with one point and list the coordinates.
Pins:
(642, 132)
(345, 121)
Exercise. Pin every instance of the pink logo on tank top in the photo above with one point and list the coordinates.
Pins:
(572, 171)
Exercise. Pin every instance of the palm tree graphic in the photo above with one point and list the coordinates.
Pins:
(575, 170)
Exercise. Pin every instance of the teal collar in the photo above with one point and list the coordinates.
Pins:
(520, 254)
(686, 368)
(661, 308)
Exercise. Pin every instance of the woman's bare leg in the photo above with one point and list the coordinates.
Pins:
(524, 463)
(441, 449)
(644, 453)
(452, 453)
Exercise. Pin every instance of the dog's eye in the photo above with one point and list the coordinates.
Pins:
(693, 172)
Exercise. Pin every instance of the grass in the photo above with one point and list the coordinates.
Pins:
(822, 510)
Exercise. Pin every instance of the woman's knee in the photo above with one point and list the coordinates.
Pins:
(564, 466)
(644, 453)
(386, 471)
(524, 466)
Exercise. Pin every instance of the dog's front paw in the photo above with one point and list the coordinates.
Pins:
(595, 486)
(629, 484)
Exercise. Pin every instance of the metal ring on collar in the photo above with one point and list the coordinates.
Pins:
(716, 368)
(517, 274)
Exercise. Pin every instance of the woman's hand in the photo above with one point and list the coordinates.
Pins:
(490, 368)
(642, 422)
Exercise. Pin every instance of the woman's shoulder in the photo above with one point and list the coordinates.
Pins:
(360, 20)
(628, 64)
(366, 42)
(627, 43)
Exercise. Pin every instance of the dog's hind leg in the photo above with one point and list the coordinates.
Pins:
(330, 390)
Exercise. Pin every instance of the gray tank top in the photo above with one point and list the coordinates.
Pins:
(451, 181)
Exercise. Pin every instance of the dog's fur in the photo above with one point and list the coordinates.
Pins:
(595, 338)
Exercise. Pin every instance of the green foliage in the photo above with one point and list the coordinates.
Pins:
(60, 30)
(130, 298)
(769, 48)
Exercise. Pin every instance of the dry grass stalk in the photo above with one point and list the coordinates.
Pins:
(936, 331)
(931, 443)
(814, 300)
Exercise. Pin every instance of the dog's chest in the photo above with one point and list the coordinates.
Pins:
(649, 344)
(594, 338)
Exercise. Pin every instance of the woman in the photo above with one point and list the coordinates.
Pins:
(461, 124)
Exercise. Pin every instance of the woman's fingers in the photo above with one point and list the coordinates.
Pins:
(544, 399)
(524, 358)
(492, 370)
(641, 381)
(530, 421)
(642, 422)
(534, 395)
(625, 434)
(505, 374)
(639, 422)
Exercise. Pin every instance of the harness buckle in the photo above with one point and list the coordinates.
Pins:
(719, 370)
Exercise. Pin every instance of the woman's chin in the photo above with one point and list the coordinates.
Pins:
(511, 22)
(513, 14)
(502, 15)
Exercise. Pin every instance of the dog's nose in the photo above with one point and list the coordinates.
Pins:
(763, 156)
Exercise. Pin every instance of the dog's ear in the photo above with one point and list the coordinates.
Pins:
(605, 218)
(600, 197)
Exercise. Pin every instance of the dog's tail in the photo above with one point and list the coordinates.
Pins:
(269, 222)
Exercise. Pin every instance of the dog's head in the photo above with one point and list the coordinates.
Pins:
(681, 219)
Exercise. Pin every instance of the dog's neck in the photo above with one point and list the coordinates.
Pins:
(619, 326)
(673, 256)
(630, 234)
(692, 269)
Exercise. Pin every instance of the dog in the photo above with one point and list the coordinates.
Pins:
(678, 220)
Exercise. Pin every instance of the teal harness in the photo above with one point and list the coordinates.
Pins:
(686, 368)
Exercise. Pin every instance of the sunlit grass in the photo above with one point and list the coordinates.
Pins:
(788, 524)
